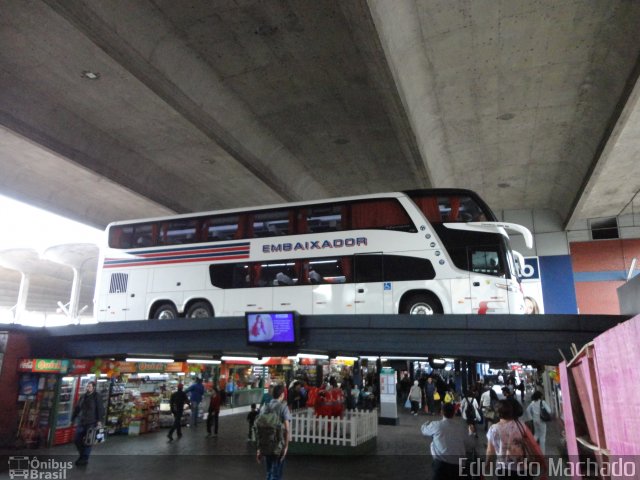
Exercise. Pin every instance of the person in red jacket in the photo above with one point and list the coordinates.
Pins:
(214, 412)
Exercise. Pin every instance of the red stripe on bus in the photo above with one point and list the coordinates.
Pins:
(191, 252)
(166, 262)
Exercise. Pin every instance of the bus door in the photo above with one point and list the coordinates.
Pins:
(291, 292)
(369, 283)
(126, 297)
(332, 287)
(487, 280)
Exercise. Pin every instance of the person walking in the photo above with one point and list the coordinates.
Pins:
(196, 392)
(270, 447)
(177, 403)
(539, 426)
(89, 413)
(470, 413)
(488, 401)
(449, 444)
(508, 442)
(415, 396)
(213, 412)
(429, 392)
(251, 419)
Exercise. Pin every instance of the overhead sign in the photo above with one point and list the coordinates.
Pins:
(43, 365)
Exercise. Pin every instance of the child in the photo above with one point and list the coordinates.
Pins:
(252, 418)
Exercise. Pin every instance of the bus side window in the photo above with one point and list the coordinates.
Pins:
(368, 268)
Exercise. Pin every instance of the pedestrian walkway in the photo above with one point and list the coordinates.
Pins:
(401, 452)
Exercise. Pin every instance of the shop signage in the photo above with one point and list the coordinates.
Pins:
(43, 365)
(46, 365)
(25, 365)
(175, 367)
(144, 367)
(126, 367)
(81, 367)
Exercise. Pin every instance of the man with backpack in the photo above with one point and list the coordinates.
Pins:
(272, 433)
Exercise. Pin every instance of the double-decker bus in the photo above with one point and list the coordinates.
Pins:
(415, 252)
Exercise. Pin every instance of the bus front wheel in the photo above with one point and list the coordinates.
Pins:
(421, 304)
(200, 310)
(165, 311)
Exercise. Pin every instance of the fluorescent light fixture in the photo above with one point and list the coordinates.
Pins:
(352, 359)
(407, 358)
(181, 374)
(150, 360)
(204, 362)
(103, 375)
(313, 355)
(254, 360)
(439, 361)
(369, 358)
(449, 359)
(67, 379)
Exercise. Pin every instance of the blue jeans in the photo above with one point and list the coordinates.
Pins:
(78, 440)
(275, 465)
(195, 407)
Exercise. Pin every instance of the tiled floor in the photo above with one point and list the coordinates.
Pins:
(401, 453)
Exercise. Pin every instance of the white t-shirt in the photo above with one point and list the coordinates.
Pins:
(507, 442)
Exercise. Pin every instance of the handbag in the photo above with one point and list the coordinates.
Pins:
(407, 404)
(94, 436)
(530, 448)
(436, 396)
(545, 416)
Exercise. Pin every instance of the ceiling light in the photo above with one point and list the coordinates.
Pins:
(407, 358)
(150, 360)
(204, 362)
(253, 360)
(90, 75)
(313, 355)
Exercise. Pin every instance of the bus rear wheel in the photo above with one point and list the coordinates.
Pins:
(421, 304)
(165, 311)
(200, 310)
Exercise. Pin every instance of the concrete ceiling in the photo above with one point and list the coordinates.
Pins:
(201, 105)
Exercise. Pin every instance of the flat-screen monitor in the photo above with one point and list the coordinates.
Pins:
(272, 328)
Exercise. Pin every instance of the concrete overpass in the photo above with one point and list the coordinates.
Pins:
(479, 337)
(117, 110)
(150, 107)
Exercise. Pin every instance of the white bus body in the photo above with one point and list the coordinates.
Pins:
(346, 270)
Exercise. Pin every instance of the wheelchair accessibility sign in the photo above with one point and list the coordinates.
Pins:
(387, 286)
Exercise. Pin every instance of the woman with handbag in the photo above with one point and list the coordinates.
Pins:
(511, 448)
(539, 413)
(415, 396)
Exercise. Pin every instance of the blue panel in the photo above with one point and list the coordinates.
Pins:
(606, 276)
(558, 289)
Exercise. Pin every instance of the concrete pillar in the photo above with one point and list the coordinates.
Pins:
(23, 293)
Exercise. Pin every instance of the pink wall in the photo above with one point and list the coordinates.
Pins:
(607, 391)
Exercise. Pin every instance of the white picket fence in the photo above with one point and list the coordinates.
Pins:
(354, 428)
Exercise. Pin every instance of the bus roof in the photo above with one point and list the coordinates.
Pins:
(408, 193)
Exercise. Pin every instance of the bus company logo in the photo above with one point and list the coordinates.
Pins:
(315, 245)
(33, 468)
